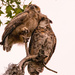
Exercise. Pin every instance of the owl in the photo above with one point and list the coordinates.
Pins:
(43, 40)
(20, 27)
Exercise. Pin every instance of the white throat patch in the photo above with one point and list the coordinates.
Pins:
(43, 24)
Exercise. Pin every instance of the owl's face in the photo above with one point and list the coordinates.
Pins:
(33, 7)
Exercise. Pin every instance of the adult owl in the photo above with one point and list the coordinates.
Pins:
(43, 40)
(20, 27)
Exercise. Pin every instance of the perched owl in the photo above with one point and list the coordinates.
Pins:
(20, 27)
(42, 40)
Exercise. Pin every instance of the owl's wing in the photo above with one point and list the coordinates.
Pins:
(16, 21)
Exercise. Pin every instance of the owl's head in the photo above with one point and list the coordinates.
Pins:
(33, 7)
(44, 20)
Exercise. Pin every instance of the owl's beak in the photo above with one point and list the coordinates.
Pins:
(31, 7)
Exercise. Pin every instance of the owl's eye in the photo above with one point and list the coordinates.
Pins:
(36, 7)
(29, 5)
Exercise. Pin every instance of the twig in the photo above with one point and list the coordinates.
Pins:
(28, 59)
(49, 69)
(25, 61)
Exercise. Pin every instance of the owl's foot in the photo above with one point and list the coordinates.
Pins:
(24, 31)
(25, 39)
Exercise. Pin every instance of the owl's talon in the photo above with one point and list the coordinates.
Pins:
(26, 39)
(24, 30)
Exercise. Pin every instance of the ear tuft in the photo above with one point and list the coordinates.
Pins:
(1, 43)
(50, 21)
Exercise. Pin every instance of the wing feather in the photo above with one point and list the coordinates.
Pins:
(15, 22)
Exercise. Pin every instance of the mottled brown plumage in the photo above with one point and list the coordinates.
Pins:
(43, 39)
(19, 25)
